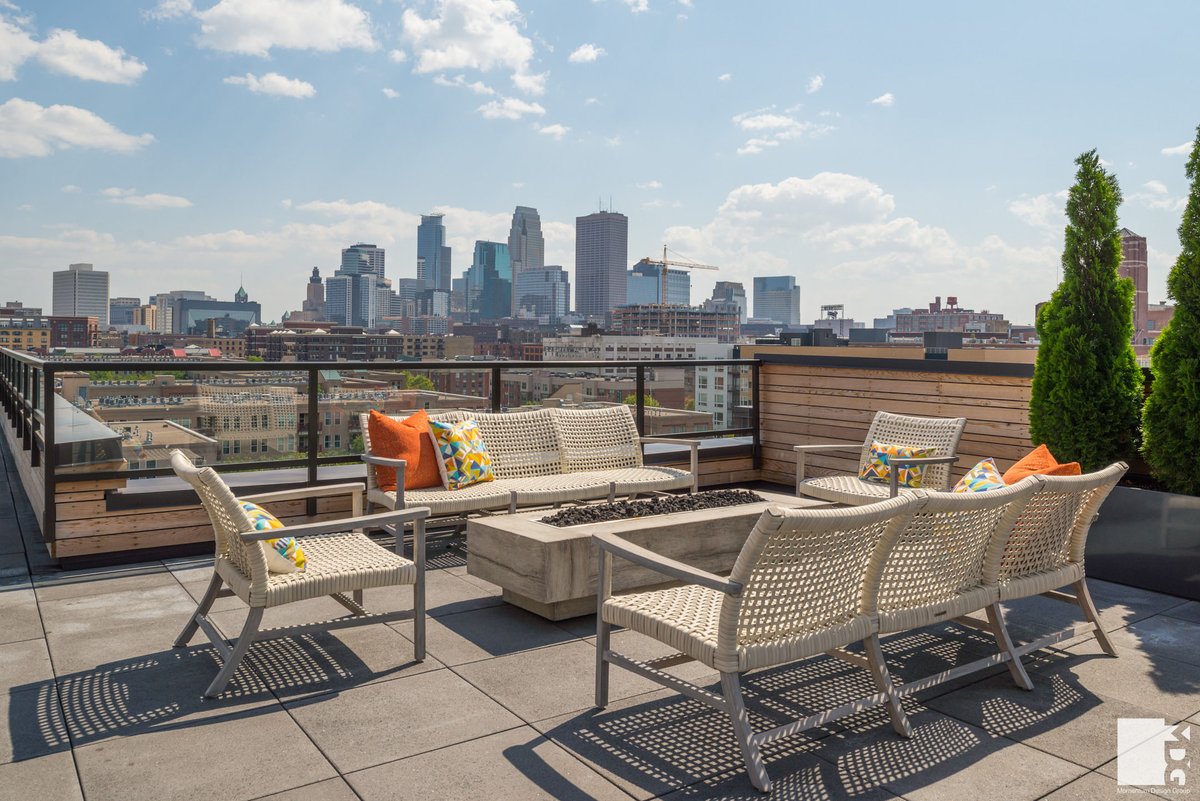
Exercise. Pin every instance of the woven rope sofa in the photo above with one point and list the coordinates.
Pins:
(814, 581)
(542, 457)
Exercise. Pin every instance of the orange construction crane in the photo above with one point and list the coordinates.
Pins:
(665, 263)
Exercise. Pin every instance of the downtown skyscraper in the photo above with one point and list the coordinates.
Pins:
(601, 253)
(433, 255)
(526, 247)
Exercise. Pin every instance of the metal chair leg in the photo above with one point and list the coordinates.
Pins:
(1084, 599)
(239, 650)
(206, 602)
(418, 587)
(731, 688)
(603, 628)
(883, 682)
(1004, 642)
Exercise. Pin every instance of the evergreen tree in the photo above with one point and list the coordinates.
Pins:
(1171, 422)
(1087, 387)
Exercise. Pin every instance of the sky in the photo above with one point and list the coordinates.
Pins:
(883, 154)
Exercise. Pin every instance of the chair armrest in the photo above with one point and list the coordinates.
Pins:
(322, 491)
(399, 465)
(801, 450)
(894, 475)
(338, 526)
(662, 564)
(693, 445)
(383, 461)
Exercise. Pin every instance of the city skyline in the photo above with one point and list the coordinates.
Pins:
(810, 154)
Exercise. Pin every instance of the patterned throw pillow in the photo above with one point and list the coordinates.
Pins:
(464, 458)
(877, 467)
(284, 555)
(980, 478)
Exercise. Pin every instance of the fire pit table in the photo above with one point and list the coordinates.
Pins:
(551, 571)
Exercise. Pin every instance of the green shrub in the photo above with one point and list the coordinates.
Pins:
(1171, 419)
(1087, 387)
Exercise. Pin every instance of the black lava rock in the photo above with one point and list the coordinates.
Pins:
(659, 505)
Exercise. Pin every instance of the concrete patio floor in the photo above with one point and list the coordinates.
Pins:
(97, 705)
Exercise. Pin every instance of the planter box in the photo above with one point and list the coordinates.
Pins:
(551, 571)
(1148, 539)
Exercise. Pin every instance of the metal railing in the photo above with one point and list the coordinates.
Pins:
(28, 385)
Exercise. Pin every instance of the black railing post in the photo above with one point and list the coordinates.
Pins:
(49, 462)
(313, 427)
(495, 389)
(640, 398)
(34, 426)
(756, 415)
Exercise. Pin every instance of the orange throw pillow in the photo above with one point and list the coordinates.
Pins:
(1040, 462)
(406, 439)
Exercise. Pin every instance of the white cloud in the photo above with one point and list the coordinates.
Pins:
(612, 141)
(255, 27)
(154, 200)
(638, 6)
(390, 93)
(16, 46)
(71, 189)
(65, 52)
(509, 108)
(650, 185)
(1157, 187)
(28, 129)
(725, 77)
(887, 100)
(170, 9)
(591, 101)
(481, 35)
(770, 129)
(556, 130)
(1041, 211)
(1178, 150)
(460, 81)
(273, 84)
(397, 56)
(585, 54)
(815, 83)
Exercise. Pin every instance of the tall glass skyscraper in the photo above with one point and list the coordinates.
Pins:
(433, 253)
(544, 293)
(490, 281)
(601, 253)
(776, 297)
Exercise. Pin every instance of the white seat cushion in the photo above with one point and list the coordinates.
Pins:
(441, 501)
(631, 480)
(850, 490)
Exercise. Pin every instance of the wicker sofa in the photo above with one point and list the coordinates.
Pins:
(542, 457)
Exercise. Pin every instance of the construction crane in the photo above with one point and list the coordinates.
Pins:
(665, 263)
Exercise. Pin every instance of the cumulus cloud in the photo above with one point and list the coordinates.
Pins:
(887, 100)
(255, 27)
(390, 93)
(770, 129)
(273, 84)
(397, 56)
(29, 129)
(67, 53)
(71, 189)
(1156, 187)
(509, 108)
(16, 46)
(154, 200)
(725, 77)
(1178, 150)
(638, 6)
(1041, 211)
(481, 35)
(815, 83)
(556, 130)
(170, 9)
(650, 185)
(585, 53)
(461, 82)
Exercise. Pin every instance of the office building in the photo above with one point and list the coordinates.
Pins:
(120, 310)
(198, 317)
(777, 298)
(1134, 267)
(950, 318)
(433, 255)
(676, 321)
(166, 303)
(81, 291)
(732, 292)
(643, 285)
(601, 253)
(489, 283)
(544, 294)
(526, 246)
(314, 296)
(358, 293)
(15, 308)
(363, 259)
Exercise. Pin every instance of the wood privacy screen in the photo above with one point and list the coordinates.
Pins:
(810, 398)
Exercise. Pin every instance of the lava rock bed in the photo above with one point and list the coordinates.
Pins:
(661, 505)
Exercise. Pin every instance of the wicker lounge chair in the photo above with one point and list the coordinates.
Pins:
(939, 434)
(805, 582)
(340, 561)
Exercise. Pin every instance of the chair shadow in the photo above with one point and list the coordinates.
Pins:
(163, 691)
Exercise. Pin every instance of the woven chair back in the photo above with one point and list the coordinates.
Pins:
(945, 549)
(522, 444)
(1052, 530)
(938, 434)
(598, 439)
(227, 517)
(804, 571)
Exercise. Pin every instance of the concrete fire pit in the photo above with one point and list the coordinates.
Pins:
(552, 571)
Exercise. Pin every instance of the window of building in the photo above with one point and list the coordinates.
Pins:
(237, 446)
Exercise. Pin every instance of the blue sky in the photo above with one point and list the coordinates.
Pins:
(882, 153)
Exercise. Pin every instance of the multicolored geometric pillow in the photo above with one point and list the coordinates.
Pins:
(284, 555)
(464, 458)
(877, 467)
(980, 478)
